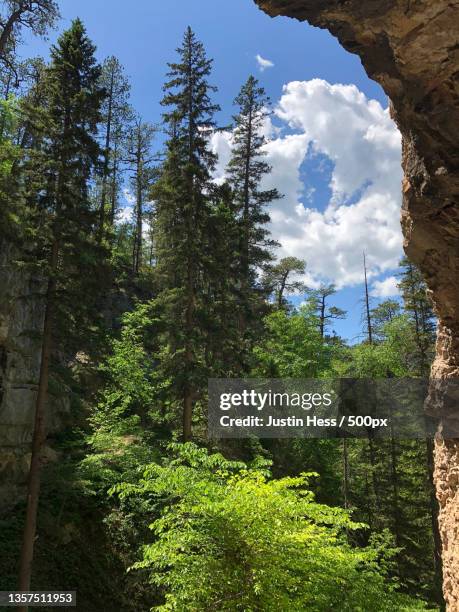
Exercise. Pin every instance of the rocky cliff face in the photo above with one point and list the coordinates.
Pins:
(411, 47)
(21, 323)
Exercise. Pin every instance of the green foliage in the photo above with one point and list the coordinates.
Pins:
(9, 155)
(183, 206)
(292, 348)
(123, 420)
(225, 535)
(318, 299)
(383, 313)
(278, 281)
(246, 170)
(419, 309)
(232, 539)
(394, 356)
(389, 481)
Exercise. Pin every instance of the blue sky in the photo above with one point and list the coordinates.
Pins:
(144, 35)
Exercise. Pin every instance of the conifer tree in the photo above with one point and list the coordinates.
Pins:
(419, 308)
(182, 199)
(367, 312)
(140, 158)
(59, 169)
(221, 296)
(383, 313)
(246, 170)
(36, 16)
(116, 113)
(325, 313)
(278, 281)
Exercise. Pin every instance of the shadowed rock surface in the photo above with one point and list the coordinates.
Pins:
(411, 47)
(21, 325)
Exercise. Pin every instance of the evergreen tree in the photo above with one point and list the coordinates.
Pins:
(59, 170)
(220, 311)
(383, 313)
(419, 308)
(140, 158)
(37, 16)
(367, 310)
(277, 279)
(246, 170)
(183, 197)
(325, 313)
(116, 113)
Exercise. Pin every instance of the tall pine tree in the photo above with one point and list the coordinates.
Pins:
(183, 196)
(419, 308)
(116, 113)
(246, 170)
(139, 157)
(59, 170)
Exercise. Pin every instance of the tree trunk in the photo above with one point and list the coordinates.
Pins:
(280, 296)
(322, 317)
(137, 246)
(374, 476)
(187, 415)
(345, 474)
(139, 220)
(246, 209)
(113, 188)
(367, 303)
(8, 30)
(33, 488)
(395, 491)
(189, 317)
(103, 195)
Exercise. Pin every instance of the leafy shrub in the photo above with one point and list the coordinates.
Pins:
(230, 538)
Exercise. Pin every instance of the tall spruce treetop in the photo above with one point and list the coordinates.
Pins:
(246, 170)
(61, 170)
(182, 193)
(73, 104)
(191, 115)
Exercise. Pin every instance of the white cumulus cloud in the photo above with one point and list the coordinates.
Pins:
(363, 143)
(358, 136)
(263, 63)
(385, 288)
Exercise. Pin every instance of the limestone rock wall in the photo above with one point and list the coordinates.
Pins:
(21, 322)
(411, 47)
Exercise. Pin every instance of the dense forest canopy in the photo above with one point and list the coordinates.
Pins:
(140, 313)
